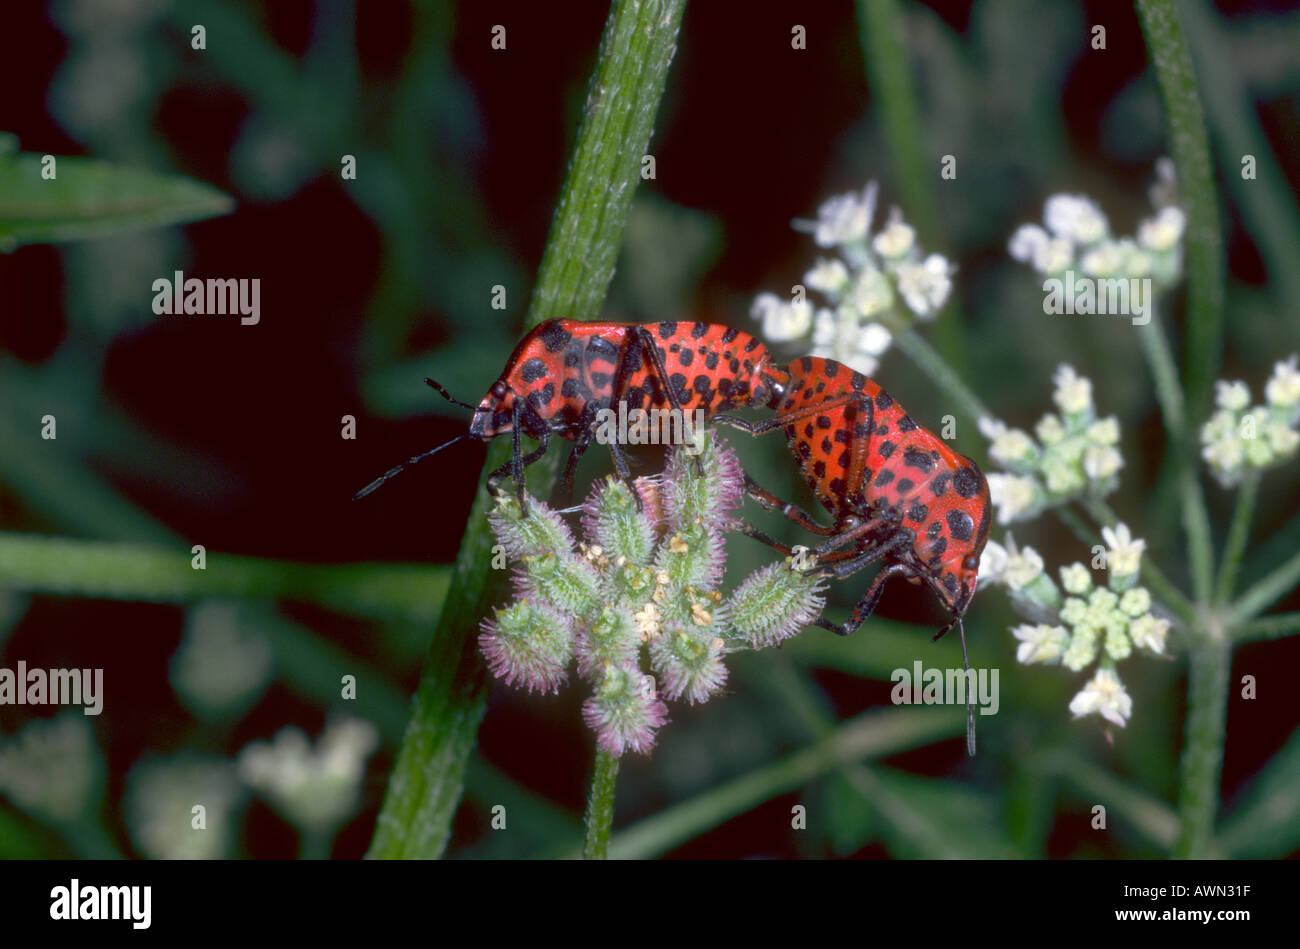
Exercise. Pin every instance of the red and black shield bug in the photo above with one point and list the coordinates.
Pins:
(897, 492)
(565, 371)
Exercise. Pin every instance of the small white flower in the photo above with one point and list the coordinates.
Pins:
(1014, 496)
(1282, 439)
(1077, 579)
(993, 564)
(1225, 456)
(1283, 387)
(1082, 649)
(896, 240)
(1233, 396)
(870, 295)
(1104, 260)
(845, 218)
(1125, 551)
(1027, 243)
(1164, 231)
(1101, 462)
(1075, 218)
(783, 320)
(1050, 429)
(874, 340)
(828, 276)
(1040, 643)
(1073, 394)
(1023, 567)
(1009, 446)
(1104, 431)
(1135, 602)
(925, 287)
(1136, 262)
(1074, 610)
(1149, 632)
(1104, 695)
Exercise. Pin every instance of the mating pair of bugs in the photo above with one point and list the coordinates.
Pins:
(896, 492)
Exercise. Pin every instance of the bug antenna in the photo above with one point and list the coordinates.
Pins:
(447, 395)
(404, 465)
(970, 705)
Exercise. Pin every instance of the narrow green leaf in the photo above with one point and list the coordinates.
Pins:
(1267, 824)
(89, 198)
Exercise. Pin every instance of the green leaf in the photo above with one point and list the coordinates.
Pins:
(1267, 824)
(928, 818)
(89, 198)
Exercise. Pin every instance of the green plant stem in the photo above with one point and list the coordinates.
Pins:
(1269, 627)
(1207, 705)
(870, 735)
(1156, 581)
(1267, 591)
(1196, 519)
(929, 361)
(577, 265)
(1238, 534)
(158, 574)
(1189, 147)
(882, 35)
(599, 818)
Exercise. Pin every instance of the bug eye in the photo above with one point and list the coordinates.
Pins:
(971, 562)
(498, 390)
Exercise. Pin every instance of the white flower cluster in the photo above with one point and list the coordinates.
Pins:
(160, 798)
(316, 789)
(1085, 624)
(1075, 451)
(1239, 438)
(1077, 235)
(863, 285)
(52, 769)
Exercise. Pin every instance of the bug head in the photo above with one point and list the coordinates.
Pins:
(495, 414)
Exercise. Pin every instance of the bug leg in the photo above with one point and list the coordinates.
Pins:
(641, 337)
(770, 502)
(867, 606)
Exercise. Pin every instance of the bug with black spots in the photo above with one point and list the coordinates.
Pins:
(896, 491)
(564, 372)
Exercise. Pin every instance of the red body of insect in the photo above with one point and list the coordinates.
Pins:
(565, 371)
(897, 492)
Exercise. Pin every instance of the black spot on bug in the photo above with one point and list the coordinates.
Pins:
(933, 530)
(752, 345)
(905, 424)
(918, 512)
(701, 384)
(883, 478)
(882, 430)
(857, 381)
(548, 392)
(804, 450)
(867, 474)
(939, 547)
(845, 458)
(826, 446)
(600, 380)
(823, 421)
(698, 330)
(678, 383)
(920, 460)
(724, 387)
(808, 430)
(671, 349)
(830, 368)
(837, 487)
(532, 370)
(850, 412)
(842, 436)
(939, 485)
(886, 449)
(667, 330)
(685, 356)
(555, 336)
(960, 525)
(807, 395)
(574, 389)
(950, 583)
(819, 469)
(966, 482)
(729, 335)
(734, 365)
(820, 387)
(805, 363)
(572, 357)
(904, 485)
(711, 361)
(861, 431)
(884, 400)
